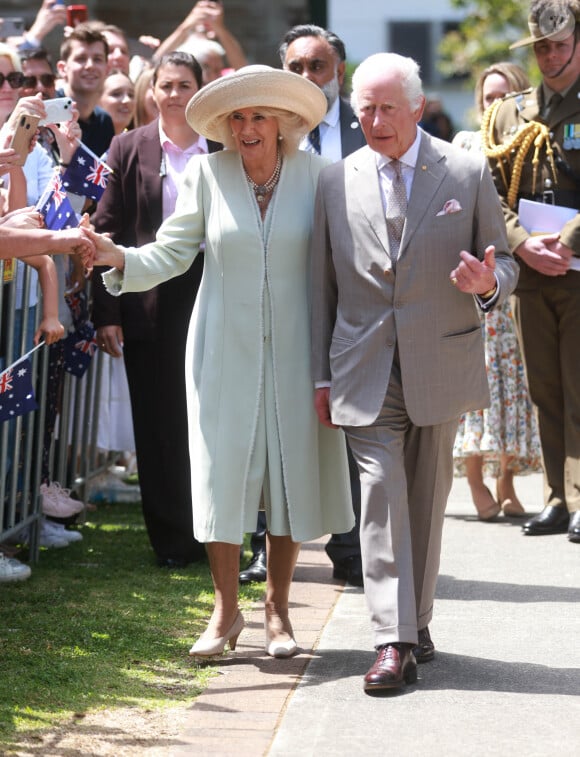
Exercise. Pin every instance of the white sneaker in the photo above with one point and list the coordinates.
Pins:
(49, 537)
(108, 487)
(60, 532)
(130, 463)
(12, 569)
(57, 501)
(72, 535)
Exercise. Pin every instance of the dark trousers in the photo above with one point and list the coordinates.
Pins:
(341, 547)
(258, 540)
(548, 325)
(156, 377)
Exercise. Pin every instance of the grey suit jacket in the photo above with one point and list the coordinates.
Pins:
(361, 310)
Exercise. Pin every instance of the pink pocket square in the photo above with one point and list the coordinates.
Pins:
(451, 206)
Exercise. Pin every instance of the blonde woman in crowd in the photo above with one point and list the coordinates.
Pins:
(118, 99)
(146, 109)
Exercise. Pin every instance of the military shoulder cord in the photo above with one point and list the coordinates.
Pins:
(528, 134)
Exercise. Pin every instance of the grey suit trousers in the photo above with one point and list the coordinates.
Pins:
(406, 473)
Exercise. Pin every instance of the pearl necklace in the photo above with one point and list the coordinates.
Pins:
(262, 190)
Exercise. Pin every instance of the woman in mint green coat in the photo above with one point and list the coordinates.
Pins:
(253, 433)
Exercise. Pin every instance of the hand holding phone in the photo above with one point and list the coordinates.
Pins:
(23, 136)
(11, 27)
(58, 110)
(76, 14)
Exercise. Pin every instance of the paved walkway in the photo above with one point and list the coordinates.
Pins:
(505, 681)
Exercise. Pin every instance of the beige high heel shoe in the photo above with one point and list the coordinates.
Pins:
(209, 647)
(511, 506)
(486, 506)
(275, 625)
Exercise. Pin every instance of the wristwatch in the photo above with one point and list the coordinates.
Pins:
(489, 293)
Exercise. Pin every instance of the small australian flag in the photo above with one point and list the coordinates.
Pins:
(79, 348)
(87, 174)
(16, 393)
(55, 208)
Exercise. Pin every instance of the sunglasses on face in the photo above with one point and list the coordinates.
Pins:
(14, 79)
(46, 80)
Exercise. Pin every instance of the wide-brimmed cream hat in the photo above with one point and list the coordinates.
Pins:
(555, 20)
(254, 87)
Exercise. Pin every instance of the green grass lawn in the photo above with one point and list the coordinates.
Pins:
(99, 625)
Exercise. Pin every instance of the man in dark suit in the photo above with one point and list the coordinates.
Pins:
(320, 56)
(152, 326)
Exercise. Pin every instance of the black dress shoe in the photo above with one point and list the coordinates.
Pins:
(196, 555)
(552, 520)
(574, 527)
(349, 570)
(172, 562)
(425, 649)
(256, 570)
(394, 667)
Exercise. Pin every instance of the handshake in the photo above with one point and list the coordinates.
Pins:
(22, 230)
(97, 249)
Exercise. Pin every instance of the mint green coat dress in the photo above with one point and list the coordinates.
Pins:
(250, 324)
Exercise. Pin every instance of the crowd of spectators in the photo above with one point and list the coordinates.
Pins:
(112, 92)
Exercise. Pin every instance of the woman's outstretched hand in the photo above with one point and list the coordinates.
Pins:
(106, 252)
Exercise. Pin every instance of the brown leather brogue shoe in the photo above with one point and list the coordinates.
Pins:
(425, 649)
(395, 666)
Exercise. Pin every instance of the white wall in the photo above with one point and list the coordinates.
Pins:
(362, 25)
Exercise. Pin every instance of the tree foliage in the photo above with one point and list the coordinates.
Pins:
(484, 37)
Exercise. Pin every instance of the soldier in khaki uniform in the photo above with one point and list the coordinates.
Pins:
(532, 140)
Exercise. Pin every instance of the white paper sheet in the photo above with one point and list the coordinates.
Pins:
(544, 218)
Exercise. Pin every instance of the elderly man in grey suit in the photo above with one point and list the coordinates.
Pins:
(410, 243)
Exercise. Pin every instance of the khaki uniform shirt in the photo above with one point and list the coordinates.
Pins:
(564, 124)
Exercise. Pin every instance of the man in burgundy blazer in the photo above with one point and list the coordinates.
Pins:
(154, 328)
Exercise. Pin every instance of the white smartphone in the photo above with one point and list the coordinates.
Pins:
(57, 110)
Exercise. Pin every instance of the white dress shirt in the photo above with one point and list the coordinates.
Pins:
(330, 140)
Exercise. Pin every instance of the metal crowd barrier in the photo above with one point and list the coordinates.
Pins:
(74, 456)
